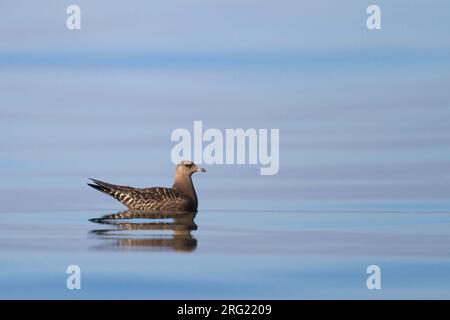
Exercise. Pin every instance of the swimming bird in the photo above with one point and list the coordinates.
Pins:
(180, 198)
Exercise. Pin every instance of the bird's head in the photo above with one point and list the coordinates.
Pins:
(187, 167)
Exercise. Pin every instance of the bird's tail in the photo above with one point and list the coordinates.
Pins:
(121, 193)
(104, 187)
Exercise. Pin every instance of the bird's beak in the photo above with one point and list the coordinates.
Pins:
(201, 169)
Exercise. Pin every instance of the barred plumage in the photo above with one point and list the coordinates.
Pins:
(180, 198)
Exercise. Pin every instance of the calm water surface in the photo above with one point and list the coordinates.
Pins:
(231, 255)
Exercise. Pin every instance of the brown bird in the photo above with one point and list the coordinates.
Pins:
(180, 198)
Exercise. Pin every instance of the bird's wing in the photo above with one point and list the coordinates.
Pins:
(153, 199)
(161, 193)
(159, 199)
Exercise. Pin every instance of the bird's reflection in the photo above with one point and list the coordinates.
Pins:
(149, 232)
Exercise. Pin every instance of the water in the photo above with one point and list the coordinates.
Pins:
(231, 255)
(364, 152)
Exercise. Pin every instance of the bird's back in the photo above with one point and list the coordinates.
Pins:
(157, 199)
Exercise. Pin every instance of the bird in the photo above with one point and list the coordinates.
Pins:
(178, 199)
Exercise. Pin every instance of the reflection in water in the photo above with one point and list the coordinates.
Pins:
(148, 235)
